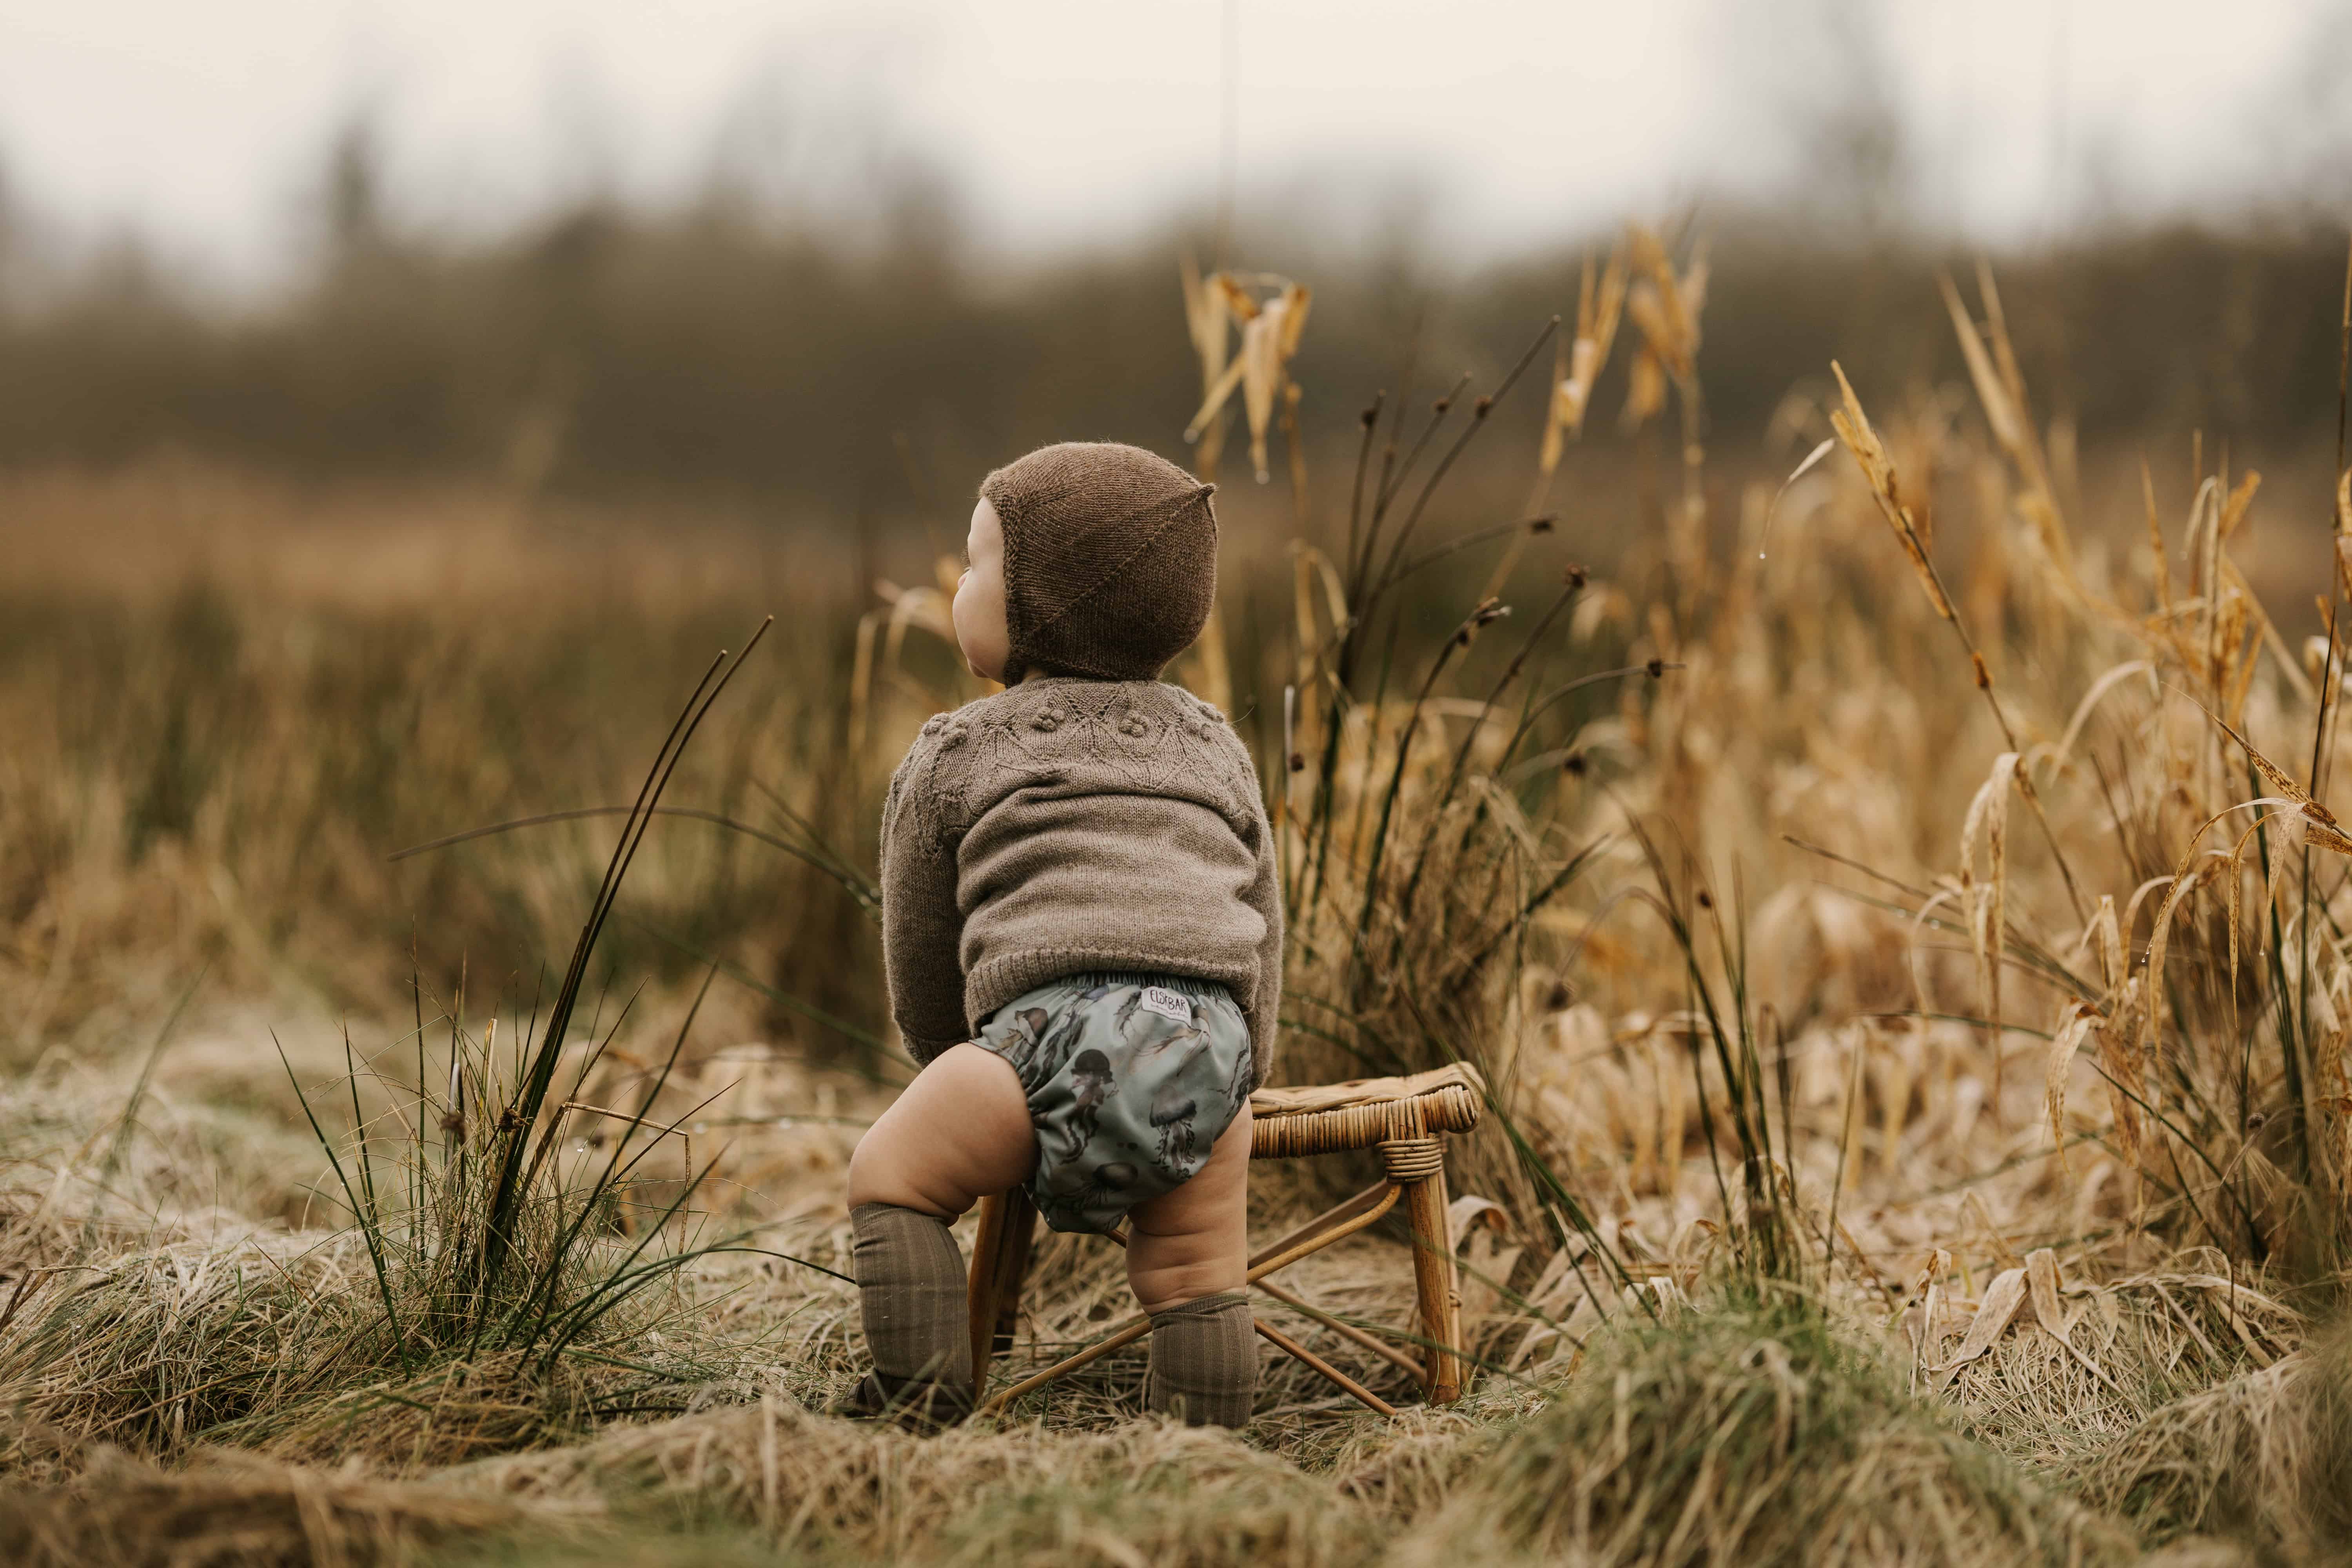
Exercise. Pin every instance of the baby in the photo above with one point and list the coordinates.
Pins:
(1082, 927)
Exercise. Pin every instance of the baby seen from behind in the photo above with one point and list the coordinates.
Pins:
(1082, 929)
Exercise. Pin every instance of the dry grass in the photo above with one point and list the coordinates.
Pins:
(231, 1509)
(1918, 1135)
(1750, 1435)
(2265, 1456)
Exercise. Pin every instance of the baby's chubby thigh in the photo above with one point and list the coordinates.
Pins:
(960, 1132)
(1193, 1240)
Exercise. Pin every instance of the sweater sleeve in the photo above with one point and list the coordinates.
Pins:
(1264, 896)
(921, 923)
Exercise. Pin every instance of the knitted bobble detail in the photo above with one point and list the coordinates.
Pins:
(1118, 733)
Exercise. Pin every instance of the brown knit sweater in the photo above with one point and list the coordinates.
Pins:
(1065, 825)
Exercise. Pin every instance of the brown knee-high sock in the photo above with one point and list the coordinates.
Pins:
(911, 1293)
(1203, 1361)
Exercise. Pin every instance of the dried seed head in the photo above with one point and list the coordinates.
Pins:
(1367, 415)
(1297, 762)
(1559, 998)
(1478, 410)
(1541, 524)
(1656, 666)
(1576, 577)
(1984, 675)
(1574, 766)
(1854, 427)
(1489, 611)
(1705, 899)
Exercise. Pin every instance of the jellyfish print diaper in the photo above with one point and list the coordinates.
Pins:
(1130, 1078)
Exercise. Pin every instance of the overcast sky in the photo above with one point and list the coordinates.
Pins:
(201, 126)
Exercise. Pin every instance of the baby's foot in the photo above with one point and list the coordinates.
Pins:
(920, 1404)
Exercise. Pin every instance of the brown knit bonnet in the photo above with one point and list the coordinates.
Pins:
(1110, 560)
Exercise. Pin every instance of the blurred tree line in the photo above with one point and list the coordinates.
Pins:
(720, 353)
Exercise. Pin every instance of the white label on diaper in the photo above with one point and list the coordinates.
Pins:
(1167, 1004)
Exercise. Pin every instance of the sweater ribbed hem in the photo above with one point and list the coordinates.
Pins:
(1009, 976)
(923, 1050)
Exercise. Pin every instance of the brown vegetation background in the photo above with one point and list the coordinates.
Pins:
(732, 356)
(1859, 1186)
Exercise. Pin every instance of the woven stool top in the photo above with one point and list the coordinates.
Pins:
(1323, 1119)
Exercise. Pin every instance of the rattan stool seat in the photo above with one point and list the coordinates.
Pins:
(1325, 1118)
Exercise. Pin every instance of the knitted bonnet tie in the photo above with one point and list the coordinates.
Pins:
(1110, 560)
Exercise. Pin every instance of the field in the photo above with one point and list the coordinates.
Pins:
(1889, 893)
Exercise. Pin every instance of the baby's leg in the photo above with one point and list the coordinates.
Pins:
(1188, 1261)
(960, 1131)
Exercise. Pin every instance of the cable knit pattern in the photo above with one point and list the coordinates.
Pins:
(1070, 824)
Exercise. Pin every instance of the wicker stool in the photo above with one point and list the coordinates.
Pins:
(1405, 1118)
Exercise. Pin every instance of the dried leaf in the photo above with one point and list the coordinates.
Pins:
(1922, 1318)
(1238, 299)
(1215, 399)
(1269, 339)
(2002, 1300)
(2319, 823)
(1296, 298)
(2159, 939)
(1207, 312)
(1262, 378)
(1470, 1210)
(2109, 933)
(2123, 1061)
(2079, 1021)
(1987, 821)
(2041, 1287)
(1271, 329)
(1204, 318)
(2099, 689)
(2241, 500)
(1998, 412)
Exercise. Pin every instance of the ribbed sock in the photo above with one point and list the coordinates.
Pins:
(1203, 1361)
(910, 1294)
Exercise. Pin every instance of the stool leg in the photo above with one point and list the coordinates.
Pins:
(1000, 1258)
(1434, 1278)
